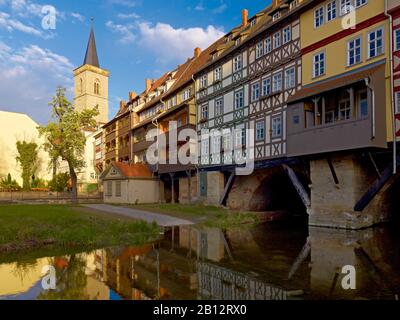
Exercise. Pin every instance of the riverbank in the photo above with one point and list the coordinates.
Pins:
(25, 227)
(210, 216)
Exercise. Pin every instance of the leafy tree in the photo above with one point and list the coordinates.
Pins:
(60, 182)
(65, 137)
(28, 159)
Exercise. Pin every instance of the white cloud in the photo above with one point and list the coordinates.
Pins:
(170, 44)
(30, 76)
(124, 30)
(78, 16)
(199, 7)
(129, 16)
(125, 3)
(220, 9)
(10, 24)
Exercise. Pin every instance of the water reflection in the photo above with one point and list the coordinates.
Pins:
(271, 262)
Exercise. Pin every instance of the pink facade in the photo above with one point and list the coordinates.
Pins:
(394, 10)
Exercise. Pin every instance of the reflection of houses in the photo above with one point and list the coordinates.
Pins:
(218, 283)
(130, 183)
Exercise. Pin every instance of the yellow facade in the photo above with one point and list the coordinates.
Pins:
(91, 89)
(335, 51)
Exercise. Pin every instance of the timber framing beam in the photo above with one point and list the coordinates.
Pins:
(298, 186)
(377, 186)
(228, 188)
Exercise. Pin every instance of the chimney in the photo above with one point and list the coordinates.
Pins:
(275, 3)
(197, 52)
(148, 85)
(122, 105)
(245, 17)
(132, 95)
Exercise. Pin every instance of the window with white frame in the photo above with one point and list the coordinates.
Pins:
(253, 22)
(240, 137)
(216, 144)
(319, 64)
(219, 107)
(266, 87)
(259, 50)
(331, 10)
(375, 43)
(344, 109)
(260, 130)
(204, 112)
(276, 127)
(319, 17)
(287, 34)
(346, 7)
(255, 91)
(218, 74)
(277, 40)
(268, 45)
(237, 63)
(397, 39)
(398, 102)
(205, 147)
(290, 78)
(354, 52)
(203, 81)
(277, 82)
(239, 99)
(237, 42)
(360, 3)
(227, 141)
(186, 94)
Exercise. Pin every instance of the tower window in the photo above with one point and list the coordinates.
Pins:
(97, 87)
(80, 85)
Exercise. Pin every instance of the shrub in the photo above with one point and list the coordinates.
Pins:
(9, 184)
(59, 183)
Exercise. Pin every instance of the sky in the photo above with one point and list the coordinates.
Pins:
(136, 39)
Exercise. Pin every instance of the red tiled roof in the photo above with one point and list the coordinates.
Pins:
(133, 170)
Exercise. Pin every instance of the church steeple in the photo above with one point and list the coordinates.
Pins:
(91, 57)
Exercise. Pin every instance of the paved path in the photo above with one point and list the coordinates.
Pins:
(161, 219)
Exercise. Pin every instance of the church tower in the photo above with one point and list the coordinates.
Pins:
(91, 83)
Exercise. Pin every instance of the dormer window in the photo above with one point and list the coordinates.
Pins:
(294, 4)
(215, 55)
(276, 16)
(237, 42)
(253, 22)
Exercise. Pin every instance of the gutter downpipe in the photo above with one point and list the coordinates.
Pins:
(157, 125)
(368, 84)
(387, 14)
(197, 142)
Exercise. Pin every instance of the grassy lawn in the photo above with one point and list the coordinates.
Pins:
(23, 227)
(210, 216)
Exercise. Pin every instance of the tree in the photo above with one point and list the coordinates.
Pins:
(28, 159)
(65, 137)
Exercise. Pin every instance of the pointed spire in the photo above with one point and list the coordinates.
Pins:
(91, 51)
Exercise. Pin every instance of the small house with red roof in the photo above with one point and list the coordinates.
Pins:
(130, 184)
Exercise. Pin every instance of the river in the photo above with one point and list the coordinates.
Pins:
(276, 261)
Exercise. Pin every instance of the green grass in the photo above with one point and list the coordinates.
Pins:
(210, 216)
(23, 227)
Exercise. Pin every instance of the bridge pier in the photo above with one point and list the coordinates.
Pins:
(338, 184)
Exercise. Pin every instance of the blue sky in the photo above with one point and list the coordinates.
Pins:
(136, 39)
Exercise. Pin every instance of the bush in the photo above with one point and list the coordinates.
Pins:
(92, 188)
(59, 183)
(9, 184)
(39, 184)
